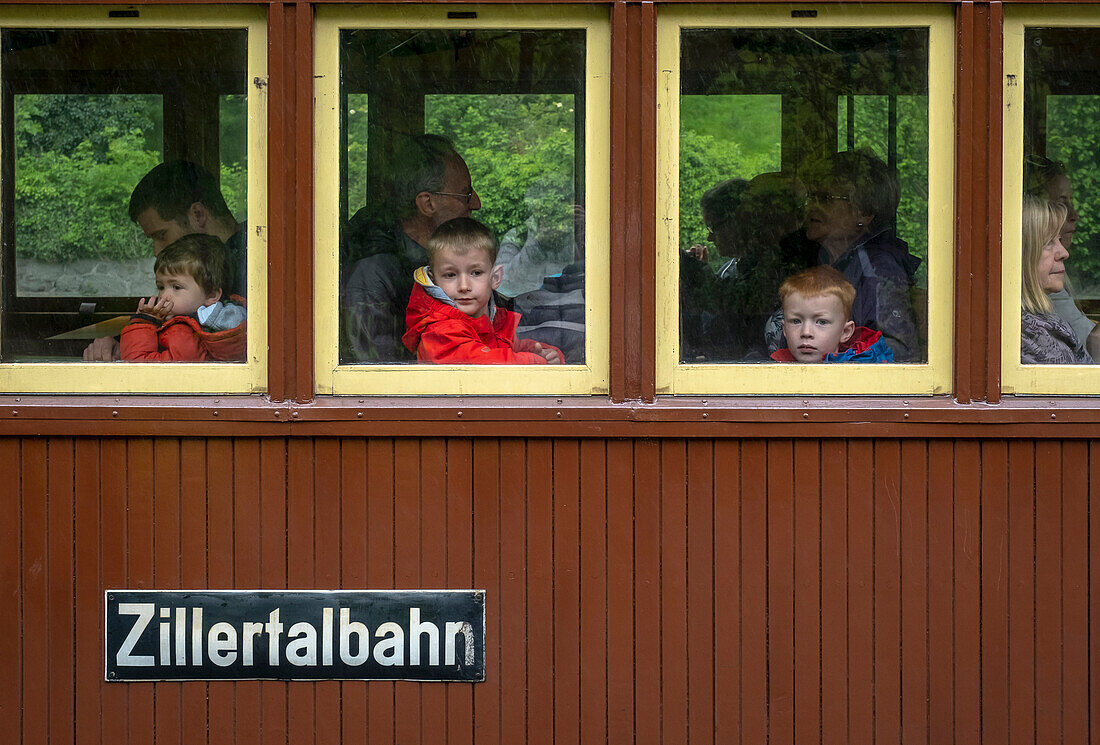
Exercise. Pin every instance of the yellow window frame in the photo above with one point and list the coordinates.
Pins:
(156, 377)
(929, 378)
(414, 379)
(1016, 377)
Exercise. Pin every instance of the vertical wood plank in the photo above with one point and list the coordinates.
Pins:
(487, 541)
(327, 497)
(914, 591)
(967, 659)
(34, 497)
(647, 590)
(128, 559)
(60, 573)
(406, 464)
(354, 522)
(861, 591)
(754, 592)
(513, 523)
(674, 592)
(1021, 592)
(193, 552)
(594, 606)
(567, 598)
(941, 552)
(700, 582)
(220, 502)
(834, 592)
(433, 568)
(380, 570)
(167, 710)
(1048, 591)
(1075, 611)
(887, 591)
(620, 591)
(248, 547)
(11, 584)
(88, 591)
(460, 567)
(540, 593)
(780, 534)
(806, 472)
(1094, 591)
(302, 522)
(274, 527)
(995, 591)
(727, 590)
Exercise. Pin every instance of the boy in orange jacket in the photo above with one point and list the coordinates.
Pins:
(452, 319)
(186, 321)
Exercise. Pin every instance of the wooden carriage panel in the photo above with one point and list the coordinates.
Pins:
(651, 590)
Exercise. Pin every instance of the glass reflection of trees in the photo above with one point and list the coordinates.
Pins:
(770, 107)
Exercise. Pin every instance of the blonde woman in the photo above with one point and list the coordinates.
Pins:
(1045, 338)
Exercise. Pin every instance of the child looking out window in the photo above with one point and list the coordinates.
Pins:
(817, 321)
(452, 319)
(186, 321)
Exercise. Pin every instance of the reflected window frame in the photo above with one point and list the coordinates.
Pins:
(249, 376)
(931, 377)
(591, 377)
(1018, 378)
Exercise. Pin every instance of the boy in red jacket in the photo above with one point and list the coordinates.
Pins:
(817, 321)
(452, 319)
(186, 321)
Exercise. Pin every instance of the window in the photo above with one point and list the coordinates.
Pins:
(1051, 261)
(795, 139)
(93, 100)
(507, 109)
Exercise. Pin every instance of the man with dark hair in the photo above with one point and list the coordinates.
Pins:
(175, 199)
(428, 185)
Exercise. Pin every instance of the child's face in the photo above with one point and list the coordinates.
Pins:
(184, 292)
(815, 326)
(468, 278)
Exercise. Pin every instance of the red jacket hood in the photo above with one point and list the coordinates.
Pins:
(423, 311)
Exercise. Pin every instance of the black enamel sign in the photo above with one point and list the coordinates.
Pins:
(431, 635)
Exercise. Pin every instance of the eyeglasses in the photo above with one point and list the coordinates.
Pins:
(822, 196)
(464, 197)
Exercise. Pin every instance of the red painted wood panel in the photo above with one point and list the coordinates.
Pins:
(645, 591)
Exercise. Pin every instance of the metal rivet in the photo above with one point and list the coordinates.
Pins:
(111, 674)
(110, 596)
(215, 412)
(360, 415)
(294, 414)
(559, 400)
(907, 415)
(276, 413)
(905, 402)
(1053, 416)
(704, 402)
(704, 415)
(114, 413)
(216, 400)
(459, 414)
(14, 412)
(559, 415)
(18, 400)
(805, 415)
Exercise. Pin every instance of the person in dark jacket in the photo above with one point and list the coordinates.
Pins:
(850, 216)
(382, 246)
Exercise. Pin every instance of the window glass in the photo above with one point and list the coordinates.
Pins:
(799, 149)
(124, 141)
(440, 124)
(1060, 260)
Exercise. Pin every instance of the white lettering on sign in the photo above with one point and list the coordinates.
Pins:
(222, 644)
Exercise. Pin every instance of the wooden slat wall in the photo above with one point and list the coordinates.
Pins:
(639, 591)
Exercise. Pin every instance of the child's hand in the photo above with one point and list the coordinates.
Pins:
(160, 308)
(550, 355)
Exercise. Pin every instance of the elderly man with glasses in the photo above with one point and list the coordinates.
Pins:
(429, 184)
